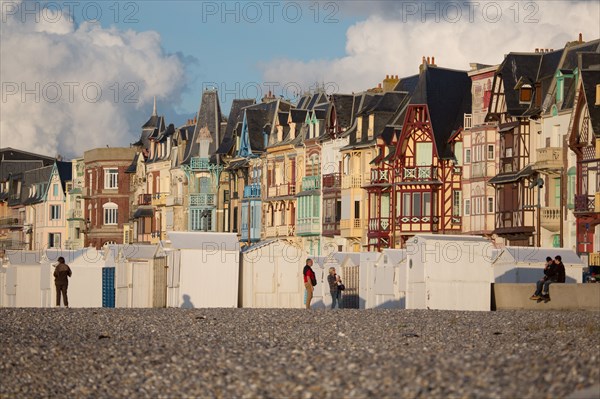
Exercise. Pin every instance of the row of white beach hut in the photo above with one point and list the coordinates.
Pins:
(198, 270)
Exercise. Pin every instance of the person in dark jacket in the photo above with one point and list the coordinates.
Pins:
(336, 295)
(542, 284)
(555, 274)
(62, 272)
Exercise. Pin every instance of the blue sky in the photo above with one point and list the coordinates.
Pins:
(71, 84)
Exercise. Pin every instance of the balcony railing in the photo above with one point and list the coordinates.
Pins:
(311, 183)
(252, 191)
(199, 164)
(549, 158)
(75, 214)
(159, 199)
(202, 200)
(380, 224)
(271, 231)
(332, 181)
(8, 222)
(355, 181)
(308, 226)
(380, 175)
(419, 173)
(594, 259)
(174, 201)
(351, 227)
(282, 190)
(550, 218)
(144, 199)
(585, 203)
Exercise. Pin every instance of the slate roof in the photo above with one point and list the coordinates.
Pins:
(236, 117)
(343, 108)
(132, 168)
(150, 129)
(528, 68)
(590, 77)
(40, 176)
(209, 116)
(14, 162)
(261, 118)
(568, 63)
(447, 94)
(65, 173)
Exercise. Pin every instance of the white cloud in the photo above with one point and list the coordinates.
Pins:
(52, 71)
(398, 34)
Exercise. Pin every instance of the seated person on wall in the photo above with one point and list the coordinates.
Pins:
(554, 272)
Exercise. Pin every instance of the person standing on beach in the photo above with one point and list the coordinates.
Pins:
(61, 274)
(336, 295)
(310, 280)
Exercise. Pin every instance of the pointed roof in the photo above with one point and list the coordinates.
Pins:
(209, 117)
(236, 117)
(447, 94)
(65, 173)
(590, 79)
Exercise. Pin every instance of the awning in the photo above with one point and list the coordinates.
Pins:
(143, 213)
(505, 127)
(512, 176)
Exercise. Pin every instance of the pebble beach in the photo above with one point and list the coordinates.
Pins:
(297, 353)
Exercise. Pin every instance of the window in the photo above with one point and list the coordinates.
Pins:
(456, 201)
(416, 204)
(54, 240)
(54, 212)
(467, 207)
(405, 204)
(525, 94)
(571, 176)
(490, 151)
(468, 155)
(111, 213)
(426, 204)
(356, 209)
(55, 190)
(111, 177)
(235, 219)
(490, 205)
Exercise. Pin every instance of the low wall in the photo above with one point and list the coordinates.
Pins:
(563, 297)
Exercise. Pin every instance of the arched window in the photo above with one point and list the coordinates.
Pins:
(571, 178)
(111, 213)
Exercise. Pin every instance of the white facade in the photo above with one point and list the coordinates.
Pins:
(205, 272)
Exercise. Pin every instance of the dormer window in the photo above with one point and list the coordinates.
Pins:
(525, 93)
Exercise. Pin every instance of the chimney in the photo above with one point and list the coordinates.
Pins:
(433, 61)
(397, 77)
(387, 76)
(379, 86)
(580, 37)
(428, 60)
(537, 50)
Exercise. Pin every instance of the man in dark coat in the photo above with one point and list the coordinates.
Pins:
(62, 272)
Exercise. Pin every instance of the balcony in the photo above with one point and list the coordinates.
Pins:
(198, 164)
(355, 181)
(202, 200)
(380, 225)
(174, 201)
(550, 158)
(271, 231)
(332, 181)
(331, 226)
(252, 191)
(419, 173)
(308, 226)
(380, 176)
(282, 190)
(159, 199)
(351, 227)
(311, 183)
(11, 223)
(585, 203)
(144, 199)
(550, 218)
(73, 214)
(594, 259)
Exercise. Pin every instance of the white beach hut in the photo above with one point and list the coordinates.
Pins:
(450, 272)
(271, 275)
(206, 269)
(526, 264)
(140, 276)
(24, 283)
(387, 280)
(367, 278)
(85, 285)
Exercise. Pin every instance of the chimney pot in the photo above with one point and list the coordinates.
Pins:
(423, 61)
(396, 76)
(433, 60)
(580, 37)
(537, 50)
(387, 76)
(379, 86)
(427, 60)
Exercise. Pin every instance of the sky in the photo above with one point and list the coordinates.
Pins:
(77, 75)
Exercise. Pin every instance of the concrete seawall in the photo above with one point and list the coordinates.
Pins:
(563, 297)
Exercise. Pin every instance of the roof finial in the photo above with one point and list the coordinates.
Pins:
(154, 111)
